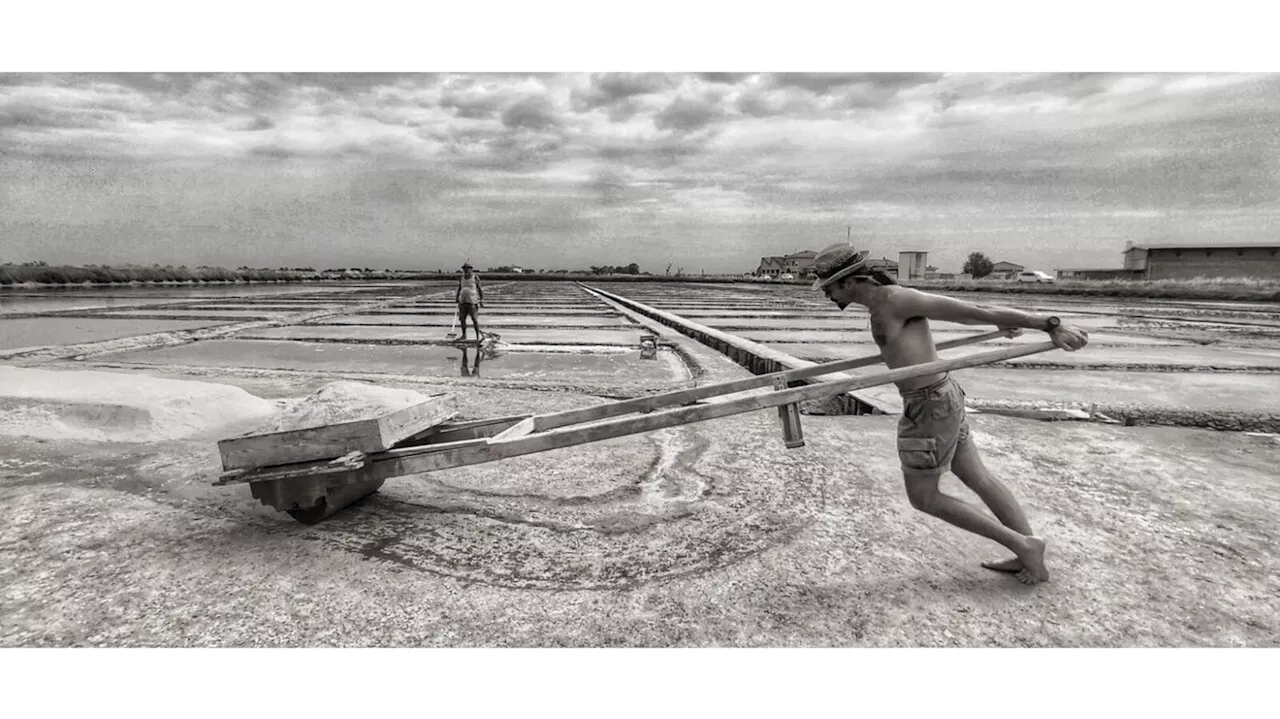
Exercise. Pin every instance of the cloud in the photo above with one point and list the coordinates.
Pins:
(534, 112)
(274, 160)
(475, 104)
(686, 114)
(724, 78)
(824, 82)
(790, 102)
(608, 89)
(260, 123)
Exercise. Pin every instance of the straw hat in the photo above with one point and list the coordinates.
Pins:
(467, 263)
(836, 262)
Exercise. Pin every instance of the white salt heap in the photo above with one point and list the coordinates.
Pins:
(339, 402)
(121, 407)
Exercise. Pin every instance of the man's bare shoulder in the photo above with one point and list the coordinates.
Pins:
(899, 299)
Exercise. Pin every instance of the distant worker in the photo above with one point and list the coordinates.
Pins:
(933, 434)
(470, 297)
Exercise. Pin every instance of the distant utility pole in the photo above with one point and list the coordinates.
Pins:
(848, 233)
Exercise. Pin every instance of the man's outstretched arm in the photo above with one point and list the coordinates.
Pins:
(914, 303)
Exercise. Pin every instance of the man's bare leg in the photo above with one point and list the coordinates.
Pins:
(925, 496)
(968, 466)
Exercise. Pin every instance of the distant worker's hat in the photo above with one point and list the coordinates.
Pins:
(836, 262)
(467, 263)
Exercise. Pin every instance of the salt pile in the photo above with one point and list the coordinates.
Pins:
(120, 407)
(339, 402)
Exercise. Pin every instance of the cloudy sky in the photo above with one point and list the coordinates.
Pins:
(706, 171)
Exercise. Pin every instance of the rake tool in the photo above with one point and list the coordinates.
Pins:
(452, 334)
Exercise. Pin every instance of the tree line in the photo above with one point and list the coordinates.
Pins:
(40, 272)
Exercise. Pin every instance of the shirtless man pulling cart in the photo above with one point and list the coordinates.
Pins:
(933, 434)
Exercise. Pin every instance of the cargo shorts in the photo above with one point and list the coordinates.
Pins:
(932, 426)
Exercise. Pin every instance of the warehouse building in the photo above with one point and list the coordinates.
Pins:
(1181, 262)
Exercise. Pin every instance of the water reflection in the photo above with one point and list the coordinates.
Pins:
(486, 349)
(474, 369)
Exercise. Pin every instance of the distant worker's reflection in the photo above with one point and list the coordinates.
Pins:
(474, 369)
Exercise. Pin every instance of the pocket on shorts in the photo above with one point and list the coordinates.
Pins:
(918, 452)
(943, 407)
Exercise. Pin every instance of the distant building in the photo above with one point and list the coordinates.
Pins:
(770, 266)
(1100, 274)
(799, 264)
(1163, 262)
(1007, 270)
(1181, 262)
(885, 265)
(912, 266)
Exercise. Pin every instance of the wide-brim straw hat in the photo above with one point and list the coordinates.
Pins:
(836, 262)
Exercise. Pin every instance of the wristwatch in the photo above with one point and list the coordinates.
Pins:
(1052, 324)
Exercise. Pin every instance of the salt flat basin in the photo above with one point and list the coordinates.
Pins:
(357, 333)
(25, 304)
(852, 320)
(446, 320)
(1230, 391)
(452, 309)
(43, 331)
(185, 312)
(677, 307)
(620, 367)
(1188, 356)
(769, 312)
(525, 301)
(272, 307)
(862, 334)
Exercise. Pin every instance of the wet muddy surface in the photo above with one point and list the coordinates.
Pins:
(38, 332)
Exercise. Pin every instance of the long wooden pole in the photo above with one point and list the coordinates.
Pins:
(679, 397)
(397, 466)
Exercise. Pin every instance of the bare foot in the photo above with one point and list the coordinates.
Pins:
(1032, 556)
(1012, 566)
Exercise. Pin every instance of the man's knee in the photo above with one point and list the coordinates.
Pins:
(922, 491)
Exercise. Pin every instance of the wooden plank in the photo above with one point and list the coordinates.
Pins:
(519, 429)
(472, 430)
(685, 396)
(428, 448)
(288, 471)
(789, 414)
(401, 424)
(367, 435)
(570, 436)
(469, 424)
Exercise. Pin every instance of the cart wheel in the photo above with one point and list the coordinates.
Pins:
(310, 515)
(335, 501)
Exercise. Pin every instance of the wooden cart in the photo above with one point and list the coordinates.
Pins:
(313, 473)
